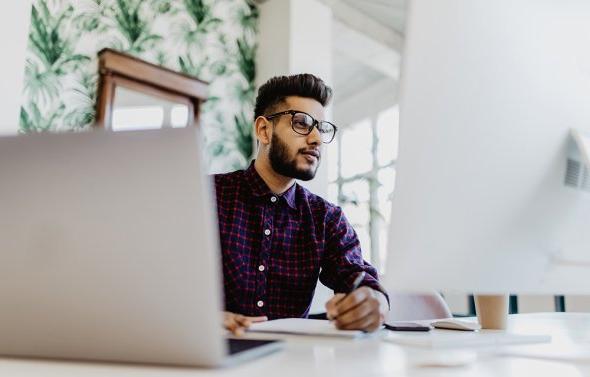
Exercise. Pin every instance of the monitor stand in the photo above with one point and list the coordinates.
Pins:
(492, 311)
(583, 142)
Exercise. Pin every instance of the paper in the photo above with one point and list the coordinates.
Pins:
(301, 326)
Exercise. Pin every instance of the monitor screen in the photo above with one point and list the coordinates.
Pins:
(492, 190)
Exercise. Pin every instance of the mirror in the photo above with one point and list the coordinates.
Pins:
(134, 94)
(134, 110)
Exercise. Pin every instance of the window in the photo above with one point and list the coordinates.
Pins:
(362, 177)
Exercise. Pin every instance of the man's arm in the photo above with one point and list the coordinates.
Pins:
(366, 307)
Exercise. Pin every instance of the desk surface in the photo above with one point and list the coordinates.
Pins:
(332, 357)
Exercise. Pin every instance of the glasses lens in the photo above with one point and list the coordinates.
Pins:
(302, 123)
(327, 131)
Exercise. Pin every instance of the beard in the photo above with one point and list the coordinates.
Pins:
(278, 155)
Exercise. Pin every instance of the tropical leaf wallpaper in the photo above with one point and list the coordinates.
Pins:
(214, 40)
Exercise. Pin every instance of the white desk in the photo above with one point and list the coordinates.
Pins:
(330, 357)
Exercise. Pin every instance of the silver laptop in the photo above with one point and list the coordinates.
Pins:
(109, 250)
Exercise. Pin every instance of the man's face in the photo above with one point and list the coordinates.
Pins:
(291, 154)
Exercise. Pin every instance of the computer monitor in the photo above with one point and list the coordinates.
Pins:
(492, 191)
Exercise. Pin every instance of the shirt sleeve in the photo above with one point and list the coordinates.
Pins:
(343, 258)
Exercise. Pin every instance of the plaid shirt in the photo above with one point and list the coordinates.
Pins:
(274, 247)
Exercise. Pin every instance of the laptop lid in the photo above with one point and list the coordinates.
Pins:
(109, 248)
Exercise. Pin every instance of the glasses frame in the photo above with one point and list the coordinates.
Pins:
(316, 123)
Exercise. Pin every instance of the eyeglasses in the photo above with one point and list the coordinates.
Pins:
(303, 123)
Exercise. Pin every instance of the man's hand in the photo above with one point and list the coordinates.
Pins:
(362, 309)
(237, 323)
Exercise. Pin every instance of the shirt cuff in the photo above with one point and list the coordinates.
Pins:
(375, 285)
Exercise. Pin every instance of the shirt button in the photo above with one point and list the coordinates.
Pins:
(260, 304)
(267, 232)
(273, 199)
(261, 268)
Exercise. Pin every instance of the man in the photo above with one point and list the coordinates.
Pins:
(276, 236)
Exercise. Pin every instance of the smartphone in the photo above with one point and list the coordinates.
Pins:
(406, 326)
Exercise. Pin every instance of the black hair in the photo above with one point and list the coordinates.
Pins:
(275, 90)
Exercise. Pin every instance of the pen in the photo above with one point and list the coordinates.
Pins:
(359, 279)
(355, 284)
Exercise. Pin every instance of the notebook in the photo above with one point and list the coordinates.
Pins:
(302, 326)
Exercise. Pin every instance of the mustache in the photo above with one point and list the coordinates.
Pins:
(313, 151)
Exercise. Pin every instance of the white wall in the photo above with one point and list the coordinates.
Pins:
(14, 28)
(296, 37)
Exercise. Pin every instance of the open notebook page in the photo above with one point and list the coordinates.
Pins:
(302, 326)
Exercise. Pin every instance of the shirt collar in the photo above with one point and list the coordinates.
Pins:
(259, 187)
(289, 196)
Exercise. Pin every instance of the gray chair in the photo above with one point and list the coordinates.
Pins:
(414, 307)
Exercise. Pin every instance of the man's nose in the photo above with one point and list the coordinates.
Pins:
(314, 137)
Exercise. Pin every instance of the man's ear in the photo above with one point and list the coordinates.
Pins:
(263, 130)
